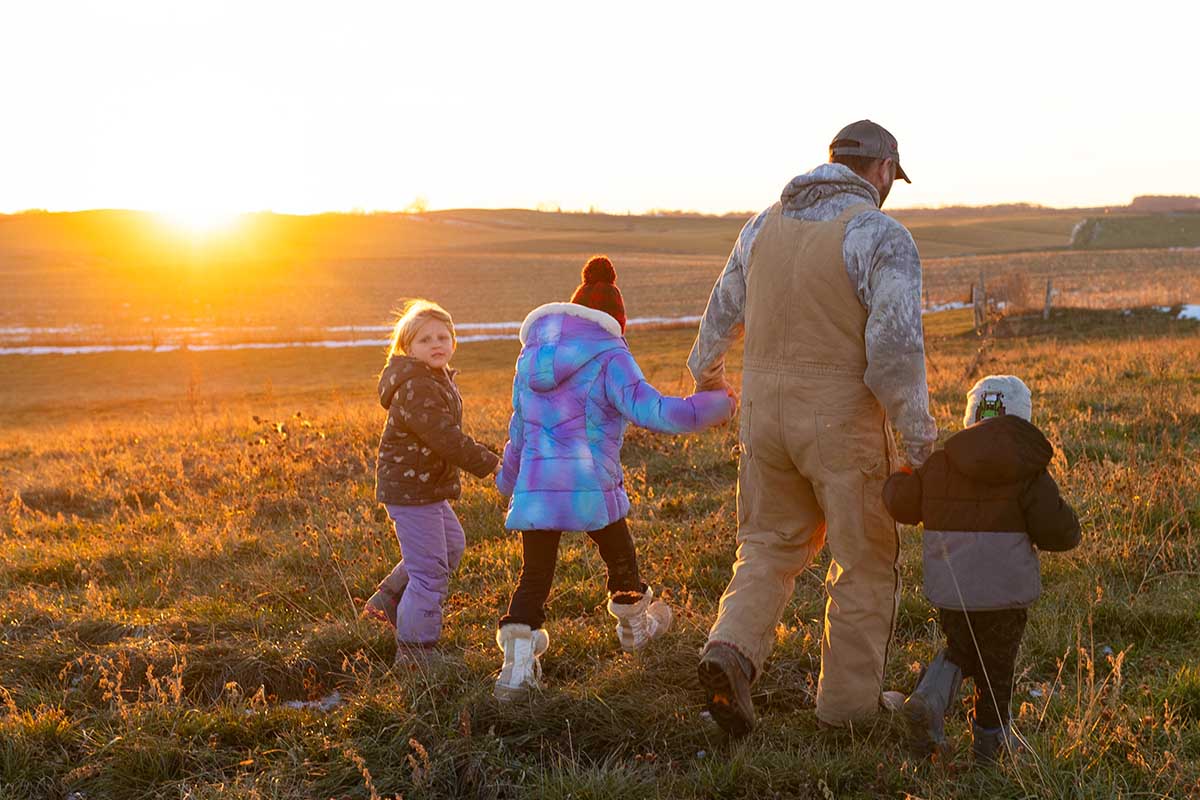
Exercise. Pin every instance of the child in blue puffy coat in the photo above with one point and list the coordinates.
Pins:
(576, 387)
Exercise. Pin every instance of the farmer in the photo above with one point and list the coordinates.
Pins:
(828, 291)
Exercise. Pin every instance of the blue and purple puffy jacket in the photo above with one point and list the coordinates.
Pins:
(576, 386)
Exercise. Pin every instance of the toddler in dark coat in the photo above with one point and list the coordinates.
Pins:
(987, 502)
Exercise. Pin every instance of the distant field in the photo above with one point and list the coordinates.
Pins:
(125, 278)
(1097, 279)
(1158, 230)
(132, 273)
(185, 540)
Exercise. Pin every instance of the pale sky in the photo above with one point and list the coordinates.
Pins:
(303, 107)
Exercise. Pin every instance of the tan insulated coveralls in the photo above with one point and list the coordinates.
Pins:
(815, 453)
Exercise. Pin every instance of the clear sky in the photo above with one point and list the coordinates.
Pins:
(303, 107)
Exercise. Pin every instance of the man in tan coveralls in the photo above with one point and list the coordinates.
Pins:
(828, 291)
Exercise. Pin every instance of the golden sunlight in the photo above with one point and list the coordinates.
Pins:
(199, 221)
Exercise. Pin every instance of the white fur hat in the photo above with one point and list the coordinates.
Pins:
(1014, 394)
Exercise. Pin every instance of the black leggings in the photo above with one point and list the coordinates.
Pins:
(992, 665)
(540, 555)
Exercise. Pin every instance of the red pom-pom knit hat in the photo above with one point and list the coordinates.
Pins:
(599, 289)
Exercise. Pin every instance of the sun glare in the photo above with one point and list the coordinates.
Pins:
(199, 221)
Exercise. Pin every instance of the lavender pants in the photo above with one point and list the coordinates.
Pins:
(432, 544)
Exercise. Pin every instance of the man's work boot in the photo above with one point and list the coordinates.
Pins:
(725, 675)
(990, 745)
(522, 669)
(640, 622)
(925, 709)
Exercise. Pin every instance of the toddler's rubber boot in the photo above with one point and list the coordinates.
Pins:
(639, 623)
(990, 745)
(522, 668)
(725, 675)
(925, 709)
(383, 604)
(891, 701)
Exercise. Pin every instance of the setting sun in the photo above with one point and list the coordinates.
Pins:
(200, 221)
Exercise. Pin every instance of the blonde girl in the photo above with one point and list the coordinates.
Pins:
(421, 450)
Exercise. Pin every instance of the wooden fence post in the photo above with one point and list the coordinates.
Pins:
(1049, 298)
(979, 301)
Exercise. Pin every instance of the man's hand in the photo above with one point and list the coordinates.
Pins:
(733, 399)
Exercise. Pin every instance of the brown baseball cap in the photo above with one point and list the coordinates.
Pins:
(870, 139)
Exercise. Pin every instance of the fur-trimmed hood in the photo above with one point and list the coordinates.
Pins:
(558, 339)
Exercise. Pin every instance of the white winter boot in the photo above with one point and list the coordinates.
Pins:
(639, 622)
(522, 670)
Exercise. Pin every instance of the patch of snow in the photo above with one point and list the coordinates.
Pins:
(48, 350)
(945, 307)
(327, 703)
(515, 325)
(489, 332)
(488, 326)
(1185, 312)
(34, 331)
(90, 349)
(364, 328)
(639, 321)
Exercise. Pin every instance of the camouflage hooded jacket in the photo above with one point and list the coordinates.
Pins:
(422, 446)
(885, 269)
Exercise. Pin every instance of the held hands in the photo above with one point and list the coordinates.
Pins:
(733, 400)
(504, 499)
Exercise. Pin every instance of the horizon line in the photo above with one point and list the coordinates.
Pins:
(590, 211)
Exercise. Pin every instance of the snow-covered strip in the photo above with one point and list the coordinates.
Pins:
(23, 331)
(461, 326)
(87, 349)
(489, 332)
(945, 307)
(1185, 312)
(353, 328)
(487, 326)
(638, 322)
(515, 325)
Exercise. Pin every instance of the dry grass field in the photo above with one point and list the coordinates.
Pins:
(185, 539)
